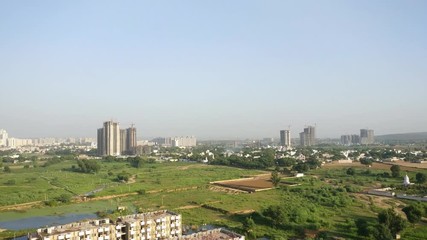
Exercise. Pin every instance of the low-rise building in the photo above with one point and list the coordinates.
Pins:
(218, 233)
(153, 225)
(156, 225)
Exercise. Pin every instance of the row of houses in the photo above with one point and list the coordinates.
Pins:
(156, 225)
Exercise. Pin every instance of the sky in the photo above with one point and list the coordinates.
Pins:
(213, 69)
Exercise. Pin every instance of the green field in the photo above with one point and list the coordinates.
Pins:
(322, 201)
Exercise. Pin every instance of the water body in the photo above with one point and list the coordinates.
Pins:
(39, 222)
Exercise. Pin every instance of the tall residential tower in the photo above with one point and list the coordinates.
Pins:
(285, 138)
(308, 137)
(109, 139)
(367, 136)
(112, 141)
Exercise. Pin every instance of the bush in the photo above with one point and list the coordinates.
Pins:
(51, 203)
(123, 176)
(11, 182)
(64, 198)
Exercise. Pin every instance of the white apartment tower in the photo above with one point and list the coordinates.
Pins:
(3, 138)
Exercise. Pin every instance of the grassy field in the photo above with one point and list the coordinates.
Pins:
(185, 188)
(44, 183)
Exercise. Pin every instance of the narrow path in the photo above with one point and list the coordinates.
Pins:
(20, 206)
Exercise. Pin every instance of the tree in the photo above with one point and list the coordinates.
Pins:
(248, 227)
(383, 233)
(421, 178)
(351, 171)
(277, 215)
(136, 162)
(301, 167)
(123, 176)
(395, 171)
(88, 166)
(286, 162)
(64, 198)
(413, 213)
(366, 161)
(362, 227)
(392, 221)
(275, 178)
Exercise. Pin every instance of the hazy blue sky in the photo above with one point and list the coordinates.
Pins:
(213, 69)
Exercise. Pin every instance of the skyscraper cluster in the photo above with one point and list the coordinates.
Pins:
(366, 137)
(112, 141)
(308, 137)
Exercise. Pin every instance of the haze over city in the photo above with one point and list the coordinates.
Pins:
(216, 70)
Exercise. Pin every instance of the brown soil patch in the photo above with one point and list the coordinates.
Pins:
(382, 202)
(253, 184)
(226, 190)
(247, 211)
(404, 166)
(188, 207)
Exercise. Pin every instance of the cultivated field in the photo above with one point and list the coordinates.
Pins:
(404, 166)
(253, 184)
(186, 189)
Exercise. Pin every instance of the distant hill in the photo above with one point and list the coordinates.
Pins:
(403, 137)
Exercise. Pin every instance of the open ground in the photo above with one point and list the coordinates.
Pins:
(186, 189)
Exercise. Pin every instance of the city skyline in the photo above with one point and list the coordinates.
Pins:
(215, 70)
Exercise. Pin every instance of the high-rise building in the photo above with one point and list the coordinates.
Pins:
(100, 141)
(128, 141)
(367, 136)
(3, 138)
(308, 137)
(123, 142)
(131, 140)
(346, 139)
(285, 138)
(109, 139)
(113, 141)
(355, 139)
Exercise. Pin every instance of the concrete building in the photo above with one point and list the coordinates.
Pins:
(308, 137)
(345, 139)
(285, 138)
(3, 138)
(18, 142)
(188, 141)
(131, 142)
(367, 136)
(93, 229)
(123, 142)
(218, 233)
(184, 141)
(128, 141)
(152, 225)
(109, 139)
